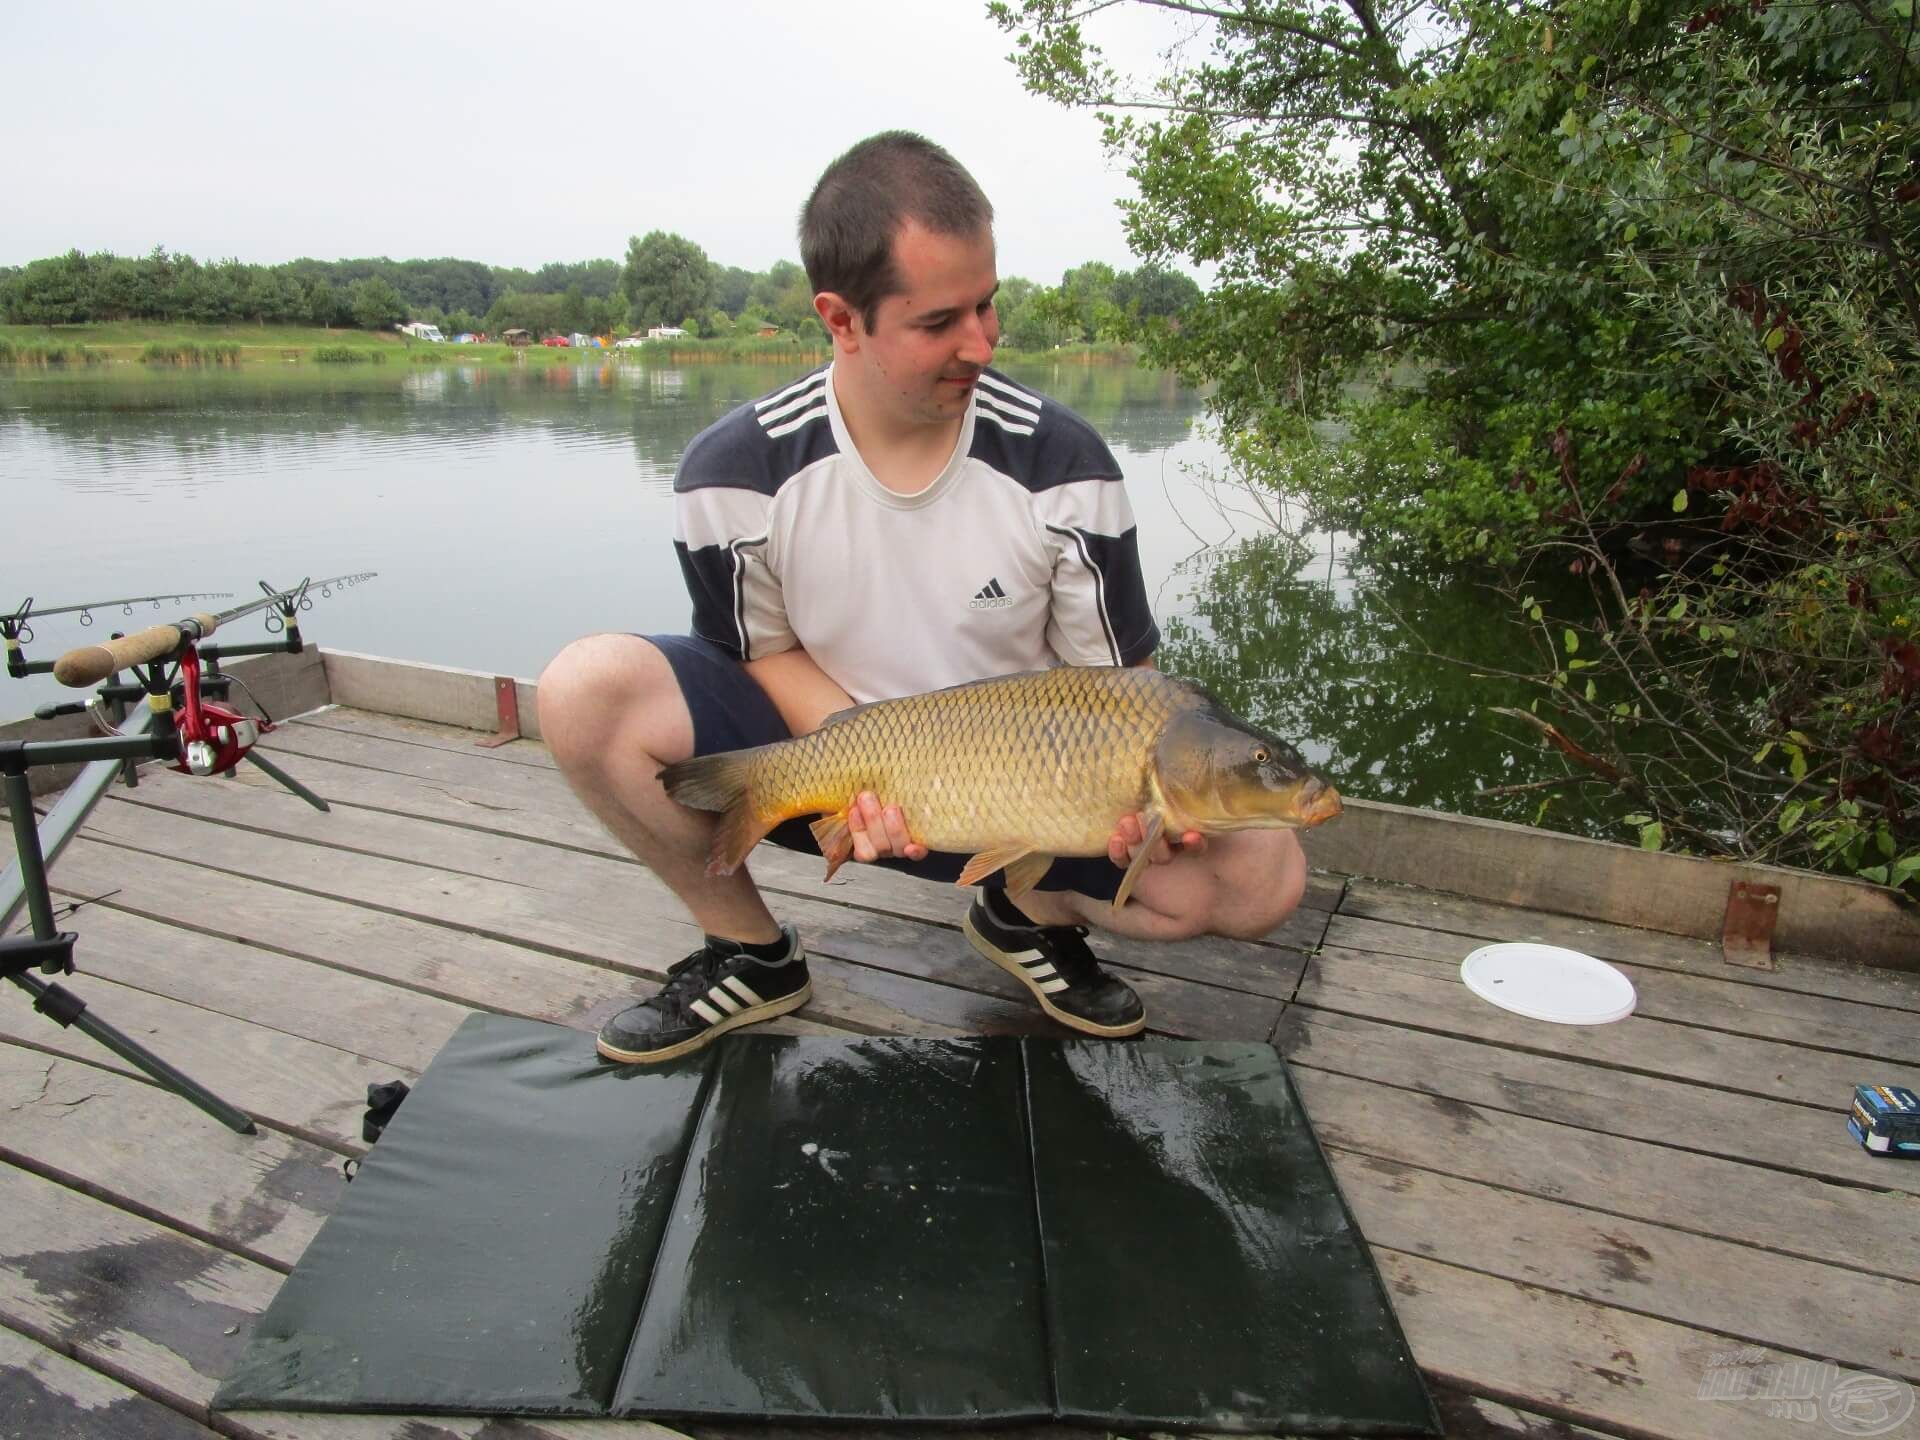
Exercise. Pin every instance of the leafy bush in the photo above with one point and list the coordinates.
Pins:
(1626, 287)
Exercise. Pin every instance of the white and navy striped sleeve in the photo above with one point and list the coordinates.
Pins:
(723, 499)
(1100, 614)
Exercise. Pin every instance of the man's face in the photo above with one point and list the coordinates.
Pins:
(929, 343)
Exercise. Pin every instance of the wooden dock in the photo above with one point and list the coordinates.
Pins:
(1612, 1231)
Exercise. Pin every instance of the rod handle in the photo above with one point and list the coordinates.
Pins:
(91, 664)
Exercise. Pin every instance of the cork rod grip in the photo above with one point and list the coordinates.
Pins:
(91, 664)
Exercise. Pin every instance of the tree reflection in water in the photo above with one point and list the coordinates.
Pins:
(1325, 663)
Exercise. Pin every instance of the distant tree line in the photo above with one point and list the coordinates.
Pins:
(665, 279)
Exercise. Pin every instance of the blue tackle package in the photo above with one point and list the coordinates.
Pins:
(1885, 1119)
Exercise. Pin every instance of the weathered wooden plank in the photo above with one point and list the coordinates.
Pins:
(1593, 1097)
(168, 1316)
(384, 1023)
(455, 965)
(438, 785)
(439, 693)
(592, 906)
(351, 720)
(312, 1090)
(1352, 983)
(46, 1396)
(1571, 875)
(1716, 1003)
(1859, 1321)
(155, 1309)
(1865, 1230)
(612, 927)
(1571, 1359)
(1465, 1416)
(1432, 911)
(262, 1196)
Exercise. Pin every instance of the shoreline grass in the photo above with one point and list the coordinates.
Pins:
(237, 345)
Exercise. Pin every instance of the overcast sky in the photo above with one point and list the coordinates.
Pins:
(517, 134)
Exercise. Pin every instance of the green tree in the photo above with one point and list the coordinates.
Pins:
(375, 305)
(666, 277)
(1154, 292)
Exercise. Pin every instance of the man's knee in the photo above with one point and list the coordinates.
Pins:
(1263, 886)
(1253, 881)
(596, 694)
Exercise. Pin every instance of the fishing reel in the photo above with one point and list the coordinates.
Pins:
(213, 737)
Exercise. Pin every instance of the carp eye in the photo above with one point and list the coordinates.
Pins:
(1260, 755)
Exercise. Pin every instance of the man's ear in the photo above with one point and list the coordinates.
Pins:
(840, 318)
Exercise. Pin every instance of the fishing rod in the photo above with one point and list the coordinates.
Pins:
(17, 632)
(161, 644)
(196, 733)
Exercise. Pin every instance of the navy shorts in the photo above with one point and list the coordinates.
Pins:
(731, 712)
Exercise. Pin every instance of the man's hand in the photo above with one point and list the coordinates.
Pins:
(1130, 834)
(880, 830)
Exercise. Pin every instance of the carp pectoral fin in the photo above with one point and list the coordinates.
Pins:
(830, 832)
(1017, 859)
(1156, 823)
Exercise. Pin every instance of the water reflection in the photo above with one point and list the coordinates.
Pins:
(1323, 659)
(512, 507)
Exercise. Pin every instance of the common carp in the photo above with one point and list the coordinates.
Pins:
(1015, 771)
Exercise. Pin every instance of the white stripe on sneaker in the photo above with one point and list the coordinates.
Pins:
(1054, 987)
(743, 990)
(725, 1001)
(706, 1012)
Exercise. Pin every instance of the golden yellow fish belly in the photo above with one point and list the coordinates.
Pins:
(1050, 760)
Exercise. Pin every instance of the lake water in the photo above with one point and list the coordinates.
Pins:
(509, 509)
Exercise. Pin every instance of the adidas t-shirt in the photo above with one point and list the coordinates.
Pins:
(1020, 555)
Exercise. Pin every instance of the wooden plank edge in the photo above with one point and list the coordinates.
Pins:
(1487, 859)
(1598, 880)
(442, 694)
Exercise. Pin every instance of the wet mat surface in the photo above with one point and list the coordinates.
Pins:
(938, 1231)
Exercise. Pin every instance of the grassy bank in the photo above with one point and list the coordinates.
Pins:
(196, 345)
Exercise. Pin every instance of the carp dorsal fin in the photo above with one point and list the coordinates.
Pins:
(847, 714)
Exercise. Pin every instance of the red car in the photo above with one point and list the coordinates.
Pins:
(560, 341)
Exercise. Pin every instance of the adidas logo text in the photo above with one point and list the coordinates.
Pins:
(991, 597)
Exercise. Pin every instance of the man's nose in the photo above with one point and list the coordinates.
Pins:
(977, 339)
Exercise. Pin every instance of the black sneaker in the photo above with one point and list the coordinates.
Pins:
(717, 988)
(1053, 961)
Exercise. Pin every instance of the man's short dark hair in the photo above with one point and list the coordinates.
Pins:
(848, 223)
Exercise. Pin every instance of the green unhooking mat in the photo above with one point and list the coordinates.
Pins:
(938, 1231)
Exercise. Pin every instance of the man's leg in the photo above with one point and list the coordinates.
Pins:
(613, 711)
(612, 715)
(1241, 885)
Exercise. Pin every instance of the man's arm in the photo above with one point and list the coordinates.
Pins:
(801, 691)
(804, 694)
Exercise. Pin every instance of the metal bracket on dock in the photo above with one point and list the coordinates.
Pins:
(1746, 936)
(507, 696)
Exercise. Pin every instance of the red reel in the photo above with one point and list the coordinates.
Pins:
(213, 737)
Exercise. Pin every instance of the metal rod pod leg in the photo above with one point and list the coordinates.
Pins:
(59, 1003)
(287, 780)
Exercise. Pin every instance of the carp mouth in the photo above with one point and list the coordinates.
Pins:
(1315, 802)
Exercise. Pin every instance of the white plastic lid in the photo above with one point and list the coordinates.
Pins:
(1545, 982)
